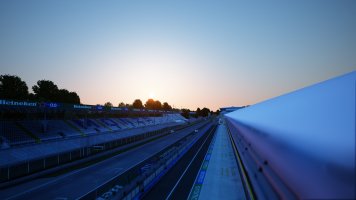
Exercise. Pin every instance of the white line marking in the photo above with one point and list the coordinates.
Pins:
(191, 189)
(135, 165)
(186, 169)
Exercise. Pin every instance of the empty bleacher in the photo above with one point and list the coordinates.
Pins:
(40, 129)
(31, 131)
(13, 134)
(121, 124)
(62, 128)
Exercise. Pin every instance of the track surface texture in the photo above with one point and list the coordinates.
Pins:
(176, 184)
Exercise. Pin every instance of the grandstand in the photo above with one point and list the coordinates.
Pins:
(44, 135)
(30, 122)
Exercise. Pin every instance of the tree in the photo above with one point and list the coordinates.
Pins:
(150, 104)
(153, 105)
(166, 106)
(157, 105)
(64, 96)
(185, 113)
(108, 105)
(45, 90)
(12, 87)
(32, 97)
(121, 104)
(137, 104)
(205, 112)
(73, 98)
(198, 112)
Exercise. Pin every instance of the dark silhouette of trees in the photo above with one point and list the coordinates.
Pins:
(185, 113)
(150, 104)
(64, 96)
(153, 105)
(205, 112)
(46, 90)
(32, 97)
(12, 87)
(74, 97)
(108, 105)
(137, 104)
(157, 105)
(202, 112)
(198, 112)
(166, 106)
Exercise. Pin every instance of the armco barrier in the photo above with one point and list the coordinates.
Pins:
(264, 182)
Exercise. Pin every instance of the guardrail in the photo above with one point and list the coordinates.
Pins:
(277, 170)
(250, 194)
(260, 180)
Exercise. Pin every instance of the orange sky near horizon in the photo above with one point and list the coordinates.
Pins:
(188, 53)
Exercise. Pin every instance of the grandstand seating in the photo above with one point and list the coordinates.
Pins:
(130, 121)
(31, 131)
(111, 124)
(85, 126)
(13, 134)
(62, 128)
(40, 128)
(119, 123)
(125, 122)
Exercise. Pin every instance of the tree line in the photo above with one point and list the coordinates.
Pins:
(157, 105)
(187, 113)
(150, 104)
(13, 87)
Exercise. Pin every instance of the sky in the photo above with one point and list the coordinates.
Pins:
(188, 53)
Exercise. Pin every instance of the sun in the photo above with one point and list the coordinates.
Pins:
(152, 95)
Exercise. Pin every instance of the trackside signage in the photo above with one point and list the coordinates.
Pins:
(81, 107)
(67, 106)
(17, 103)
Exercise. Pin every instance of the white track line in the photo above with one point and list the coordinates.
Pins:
(186, 169)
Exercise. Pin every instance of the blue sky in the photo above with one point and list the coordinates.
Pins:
(189, 53)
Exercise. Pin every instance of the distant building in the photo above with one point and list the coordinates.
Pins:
(192, 114)
(230, 109)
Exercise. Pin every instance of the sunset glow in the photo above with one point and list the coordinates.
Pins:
(152, 95)
(181, 52)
